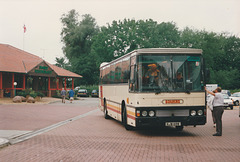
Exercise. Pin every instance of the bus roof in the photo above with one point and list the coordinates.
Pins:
(170, 50)
(157, 51)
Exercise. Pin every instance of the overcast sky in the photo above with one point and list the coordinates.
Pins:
(42, 18)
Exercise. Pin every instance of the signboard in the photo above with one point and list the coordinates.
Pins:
(42, 69)
(211, 87)
(179, 101)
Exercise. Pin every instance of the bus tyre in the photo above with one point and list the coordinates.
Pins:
(106, 116)
(127, 127)
(179, 128)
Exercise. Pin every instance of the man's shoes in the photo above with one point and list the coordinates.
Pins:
(217, 134)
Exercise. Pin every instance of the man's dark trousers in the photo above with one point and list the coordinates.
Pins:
(218, 112)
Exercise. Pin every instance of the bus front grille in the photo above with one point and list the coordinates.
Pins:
(168, 113)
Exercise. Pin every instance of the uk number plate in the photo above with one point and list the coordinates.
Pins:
(173, 124)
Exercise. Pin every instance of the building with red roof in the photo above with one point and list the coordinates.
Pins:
(29, 71)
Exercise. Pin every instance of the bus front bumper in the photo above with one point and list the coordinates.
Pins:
(161, 121)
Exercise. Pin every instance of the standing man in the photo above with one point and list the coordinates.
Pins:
(71, 94)
(63, 94)
(218, 109)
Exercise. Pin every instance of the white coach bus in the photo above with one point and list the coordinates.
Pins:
(154, 87)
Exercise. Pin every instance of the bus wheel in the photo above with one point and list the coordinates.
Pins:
(106, 116)
(179, 128)
(127, 127)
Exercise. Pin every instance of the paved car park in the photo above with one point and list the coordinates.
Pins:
(90, 137)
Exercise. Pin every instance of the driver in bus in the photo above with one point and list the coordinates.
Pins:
(179, 80)
(152, 75)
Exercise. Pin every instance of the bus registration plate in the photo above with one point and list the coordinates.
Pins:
(173, 124)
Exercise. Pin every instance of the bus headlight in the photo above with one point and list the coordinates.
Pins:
(200, 112)
(151, 113)
(144, 113)
(193, 113)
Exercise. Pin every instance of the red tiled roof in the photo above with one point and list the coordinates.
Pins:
(15, 60)
(63, 72)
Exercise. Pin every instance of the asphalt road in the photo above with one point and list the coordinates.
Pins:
(79, 132)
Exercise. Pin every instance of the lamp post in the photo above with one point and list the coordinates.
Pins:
(15, 85)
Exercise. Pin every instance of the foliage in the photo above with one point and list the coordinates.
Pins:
(235, 90)
(33, 94)
(125, 36)
(40, 94)
(21, 93)
(77, 39)
(30, 92)
(221, 53)
(62, 63)
(86, 46)
(227, 79)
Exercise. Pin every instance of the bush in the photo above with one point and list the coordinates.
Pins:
(33, 94)
(40, 94)
(30, 92)
(22, 93)
(58, 93)
(235, 90)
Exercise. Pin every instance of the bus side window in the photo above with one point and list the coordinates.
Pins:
(125, 70)
(118, 69)
(112, 73)
(132, 81)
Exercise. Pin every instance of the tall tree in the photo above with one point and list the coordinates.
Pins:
(124, 36)
(61, 62)
(86, 46)
(77, 39)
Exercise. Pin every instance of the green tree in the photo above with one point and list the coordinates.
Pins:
(226, 79)
(124, 36)
(221, 54)
(61, 62)
(232, 50)
(77, 39)
(86, 46)
(165, 35)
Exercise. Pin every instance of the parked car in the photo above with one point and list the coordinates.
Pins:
(228, 102)
(94, 93)
(82, 93)
(236, 98)
(226, 92)
(76, 88)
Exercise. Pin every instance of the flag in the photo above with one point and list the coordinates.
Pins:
(24, 29)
